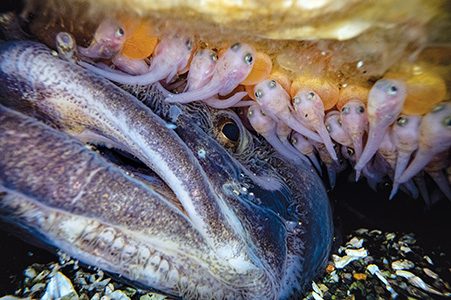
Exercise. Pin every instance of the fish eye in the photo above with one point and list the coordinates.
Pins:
(235, 47)
(345, 110)
(250, 112)
(360, 109)
(294, 140)
(214, 56)
(189, 44)
(438, 108)
(310, 95)
(258, 93)
(296, 100)
(392, 90)
(119, 32)
(350, 151)
(230, 131)
(248, 59)
(447, 122)
(328, 128)
(272, 84)
(402, 121)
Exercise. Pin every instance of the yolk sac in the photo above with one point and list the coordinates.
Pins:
(385, 102)
(309, 110)
(435, 137)
(355, 123)
(171, 56)
(267, 128)
(275, 102)
(405, 134)
(141, 41)
(230, 70)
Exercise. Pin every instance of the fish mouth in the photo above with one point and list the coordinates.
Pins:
(207, 222)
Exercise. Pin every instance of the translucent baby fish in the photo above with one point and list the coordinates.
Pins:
(435, 137)
(171, 57)
(230, 70)
(309, 110)
(405, 135)
(267, 127)
(275, 102)
(355, 122)
(385, 101)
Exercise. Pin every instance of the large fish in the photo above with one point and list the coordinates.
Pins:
(219, 226)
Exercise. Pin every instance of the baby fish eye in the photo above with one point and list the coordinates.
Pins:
(339, 122)
(258, 93)
(438, 108)
(272, 84)
(294, 141)
(447, 122)
(402, 121)
(189, 44)
(214, 56)
(235, 47)
(296, 100)
(361, 109)
(350, 151)
(119, 32)
(248, 59)
(392, 90)
(250, 113)
(345, 110)
(310, 95)
(328, 128)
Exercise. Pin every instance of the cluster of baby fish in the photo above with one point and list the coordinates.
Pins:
(380, 131)
(377, 265)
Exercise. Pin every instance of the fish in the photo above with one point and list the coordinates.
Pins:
(232, 226)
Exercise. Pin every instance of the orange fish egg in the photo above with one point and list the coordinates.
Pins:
(141, 41)
(425, 88)
(352, 91)
(260, 71)
(325, 88)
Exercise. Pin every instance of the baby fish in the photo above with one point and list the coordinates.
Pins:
(385, 101)
(309, 110)
(275, 102)
(335, 128)
(108, 40)
(230, 70)
(435, 137)
(355, 122)
(267, 127)
(171, 56)
(405, 135)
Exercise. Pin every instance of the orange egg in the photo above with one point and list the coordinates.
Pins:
(352, 91)
(425, 88)
(260, 71)
(325, 88)
(141, 41)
